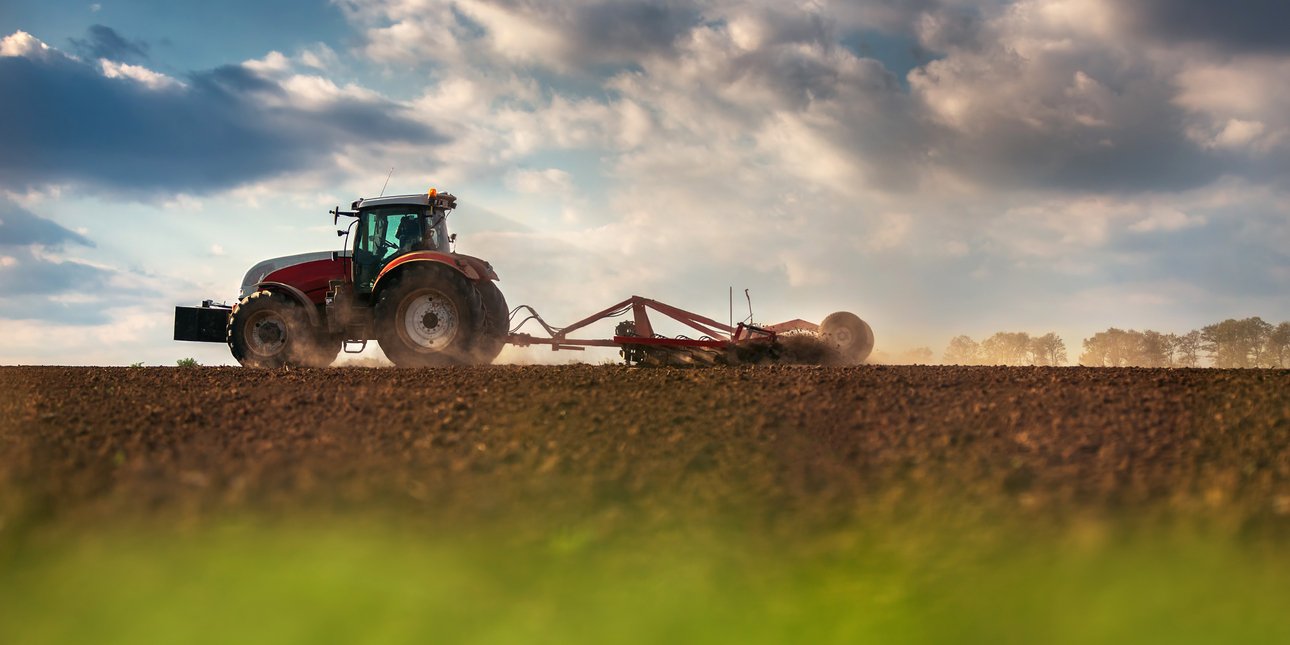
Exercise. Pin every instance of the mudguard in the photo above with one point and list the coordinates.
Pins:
(472, 267)
(311, 310)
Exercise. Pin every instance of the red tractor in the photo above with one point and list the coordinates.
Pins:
(399, 284)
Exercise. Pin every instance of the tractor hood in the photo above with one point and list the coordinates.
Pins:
(257, 272)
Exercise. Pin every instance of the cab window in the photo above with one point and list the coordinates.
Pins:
(384, 233)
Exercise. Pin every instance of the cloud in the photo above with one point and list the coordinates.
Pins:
(46, 279)
(224, 127)
(1247, 26)
(581, 35)
(549, 181)
(32, 271)
(101, 41)
(1043, 95)
(21, 43)
(152, 80)
(20, 227)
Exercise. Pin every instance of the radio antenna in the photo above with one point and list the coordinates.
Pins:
(387, 181)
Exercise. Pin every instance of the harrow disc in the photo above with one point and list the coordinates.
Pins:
(851, 337)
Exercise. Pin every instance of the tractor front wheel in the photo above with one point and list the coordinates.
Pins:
(431, 317)
(267, 329)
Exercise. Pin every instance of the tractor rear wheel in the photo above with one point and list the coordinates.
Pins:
(851, 337)
(497, 322)
(430, 317)
(267, 329)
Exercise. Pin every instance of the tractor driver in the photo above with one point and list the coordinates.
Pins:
(408, 234)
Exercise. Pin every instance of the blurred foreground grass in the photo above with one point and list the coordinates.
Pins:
(351, 579)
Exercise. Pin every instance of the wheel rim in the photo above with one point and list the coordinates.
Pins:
(428, 321)
(266, 333)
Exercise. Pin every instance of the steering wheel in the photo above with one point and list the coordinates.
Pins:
(386, 244)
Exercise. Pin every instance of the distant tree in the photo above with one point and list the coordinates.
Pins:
(1048, 350)
(962, 351)
(1171, 349)
(1278, 346)
(1153, 349)
(1256, 333)
(1111, 348)
(1007, 348)
(1236, 343)
(1187, 350)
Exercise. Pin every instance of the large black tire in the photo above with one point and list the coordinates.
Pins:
(497, 322)
(851, 337)
(430, 317)
(268, 330)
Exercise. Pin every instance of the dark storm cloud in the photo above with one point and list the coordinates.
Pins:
(630, 28)
(1141, 157)
(104, 42)
(1242, 25)
(63, 121)
(20, 227)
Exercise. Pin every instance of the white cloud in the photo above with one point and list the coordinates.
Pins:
(1070, 227)
(152, 80)
(320, 57)
(1240, 103)
(549, 181)
(1165, 219)
(271, 64)
(21, 43)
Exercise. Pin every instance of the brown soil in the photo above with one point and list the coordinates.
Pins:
(774, 446)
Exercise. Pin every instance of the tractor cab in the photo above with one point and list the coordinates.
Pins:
(389, 227)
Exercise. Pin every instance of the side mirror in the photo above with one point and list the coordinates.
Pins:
(335, 215)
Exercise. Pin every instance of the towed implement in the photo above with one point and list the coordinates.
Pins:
(399, 282)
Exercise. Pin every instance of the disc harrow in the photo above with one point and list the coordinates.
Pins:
(841, 339)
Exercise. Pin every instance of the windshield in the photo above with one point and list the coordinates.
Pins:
(385, 232)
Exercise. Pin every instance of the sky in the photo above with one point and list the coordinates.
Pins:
(938, 167)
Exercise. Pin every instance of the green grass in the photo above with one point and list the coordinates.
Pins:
(349, 580)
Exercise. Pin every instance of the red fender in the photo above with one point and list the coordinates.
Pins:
(473, 268)
(310, 309)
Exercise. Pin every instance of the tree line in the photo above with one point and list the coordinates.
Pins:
(1251, 342)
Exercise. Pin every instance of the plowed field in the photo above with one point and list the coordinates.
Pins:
(838, 476)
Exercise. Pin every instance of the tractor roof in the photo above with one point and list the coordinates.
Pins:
(441, 200)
